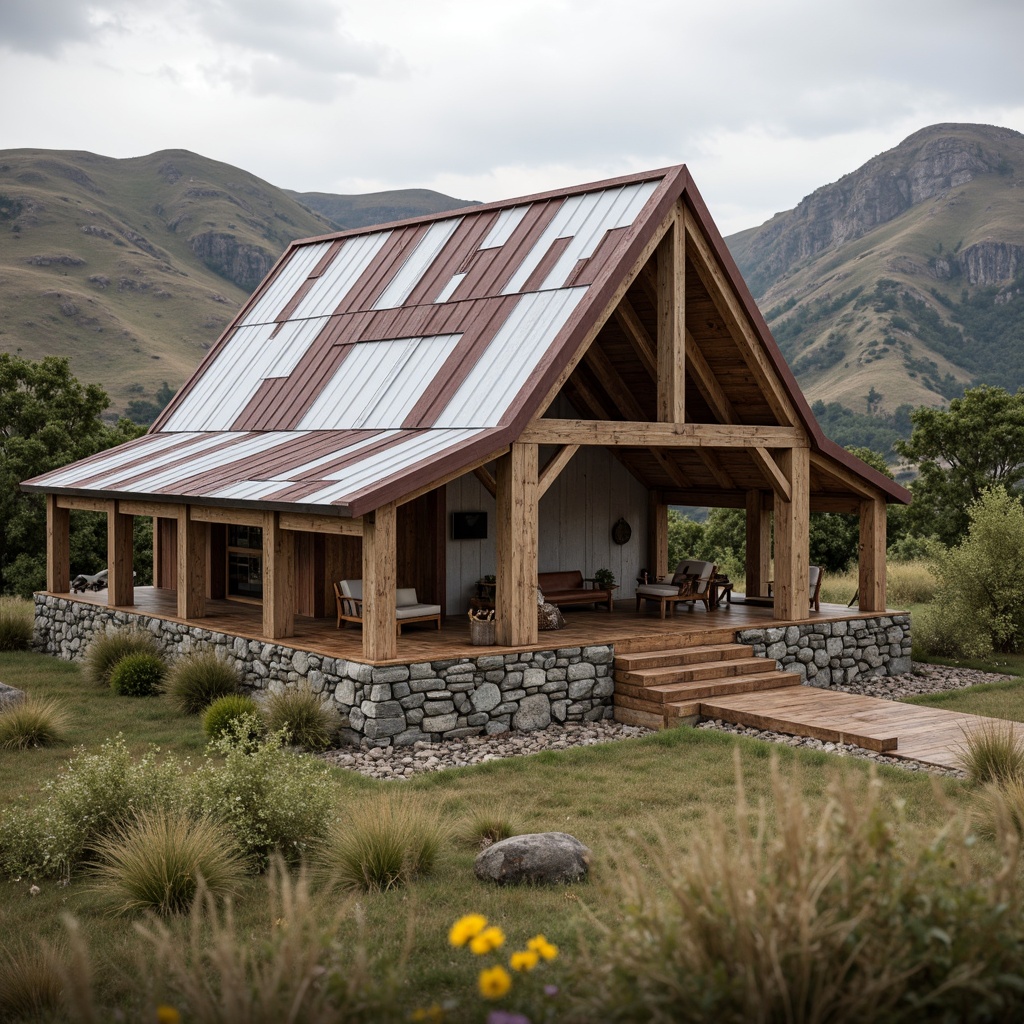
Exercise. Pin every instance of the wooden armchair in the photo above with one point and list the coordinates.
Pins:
(690, 584)
(348, 595)
(816, 575)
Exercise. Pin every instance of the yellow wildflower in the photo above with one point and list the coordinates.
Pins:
(524, 960)
(541, 946)
(466, 928)
(167, 1015)
(432, 1014)
(494, 982)
(488, 939)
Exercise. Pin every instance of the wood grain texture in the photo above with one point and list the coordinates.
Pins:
(58, 546)
(636, 434)
(871, 555)
(278, 578)
(191, 565)
(759, 545)
(120, 555)
(792, 526)
(380, 583)
(515, 597)
(671, 331)
(312, 523)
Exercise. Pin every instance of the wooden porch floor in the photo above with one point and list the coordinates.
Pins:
(624, 627)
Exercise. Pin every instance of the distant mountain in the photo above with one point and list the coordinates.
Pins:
(360, 211)
(902, 282)
(132, 268)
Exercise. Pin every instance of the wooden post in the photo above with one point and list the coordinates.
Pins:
(759, 545)
(156, 551)
(672, 324)
(380, 601)
(120, 552)
(515, 597)
(278, 578)
(191, 565)
(58, 547)
(871, 556)
(657, 535)
(792, 536)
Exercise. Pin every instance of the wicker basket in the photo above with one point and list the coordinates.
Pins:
(481, 632)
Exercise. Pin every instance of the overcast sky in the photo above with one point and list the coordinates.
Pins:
(486, 100)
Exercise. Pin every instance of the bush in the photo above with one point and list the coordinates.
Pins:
(159, 861)
(30, 982)
(138, 675)
(490, 824)
(382, 844)
(224, 710)
(32, 722)
(16, 624)
(107, 649)
(992, 752)
(197, 680)
(802, 912)
(90, 798)
(300, 711)
(269, 798)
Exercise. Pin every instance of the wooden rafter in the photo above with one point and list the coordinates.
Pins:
(612, 433)
(310, 523)
(555, 465)
(671, 333)
(846, 478)
(637, 335)
(772, 473)
(483, 474)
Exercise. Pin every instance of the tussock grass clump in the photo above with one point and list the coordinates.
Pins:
(198, 679)
(1002, 808)
(303, 714)
(809, 912)
(382, 843)
(30, 982)
(158, 862)
(32, 722)
(16, 623)
(138, 675)
(219, 716)
(491, 824)
(107, 649)
(993, 752)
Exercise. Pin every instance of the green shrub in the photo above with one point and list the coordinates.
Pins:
(32, 722)
(108, 648)
(159, 861)
(383, 843)
(491, 824)
(91, 797)
(138, 675)
(30, 982)
(223, 711)
(269, 798)
(992, 752)
(16, 624)
(836, 911)
(197, 680)
(308, 720)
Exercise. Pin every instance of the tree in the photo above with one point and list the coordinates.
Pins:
(47, 419)
(976, 444)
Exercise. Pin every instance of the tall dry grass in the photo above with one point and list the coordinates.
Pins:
(992, 752)
(907, 583)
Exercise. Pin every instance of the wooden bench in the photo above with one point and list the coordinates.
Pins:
(565, 588)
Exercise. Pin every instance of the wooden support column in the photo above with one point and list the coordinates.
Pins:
(657, 536)
(871, 556)
(278, 578)
(380, 600)
(58, 547)
(672, 324)
(515, 598)
(191, 565)
(120, 552)
(792, 536)
(759, 545)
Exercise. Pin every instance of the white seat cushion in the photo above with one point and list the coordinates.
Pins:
(691, 567)
(413, 611)
(352, 588)
(406, 595)
(815, 573)
(657, 590)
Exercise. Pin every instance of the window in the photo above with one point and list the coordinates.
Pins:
(245, 562)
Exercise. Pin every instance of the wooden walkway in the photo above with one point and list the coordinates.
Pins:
(909, 731)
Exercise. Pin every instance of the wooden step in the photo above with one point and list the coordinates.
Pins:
(663, 713)
(661, 641)
(630, 716)
(698, 689)
(687, 673)
(697, 654)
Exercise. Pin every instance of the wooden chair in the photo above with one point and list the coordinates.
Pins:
(348, 596)
(690, 584)
(816, 575)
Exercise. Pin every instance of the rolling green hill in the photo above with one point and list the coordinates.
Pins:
(903, 282)
(377, 207)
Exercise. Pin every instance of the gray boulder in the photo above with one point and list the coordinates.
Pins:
(543, 858)
(10, 695)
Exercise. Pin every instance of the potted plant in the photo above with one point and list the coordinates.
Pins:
(605, 579)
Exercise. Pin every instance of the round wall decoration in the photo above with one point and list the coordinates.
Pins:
(621, 532)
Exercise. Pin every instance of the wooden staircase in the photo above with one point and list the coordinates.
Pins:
(663, 687)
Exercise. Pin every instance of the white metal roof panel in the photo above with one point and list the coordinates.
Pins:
(150, 445)
(289, 277)
(417, 263)
(344, 271)
(507, 222)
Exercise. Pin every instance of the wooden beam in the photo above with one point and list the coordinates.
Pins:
(380, 599)
(449, 477)
(792, 527)
(657, 535)
(636, 434)
(230, 516)
(844, 476)
(120, 554)
(191, 565)
(831, 503)
(554, 467)
(483, 474)
(157, 544)
(707, 383)
(759, 545)
(58, 547)
(718, 474)
(515, 596)
(607, 376)
(672, 323)
(774, 476)
(703, 496)
(278, 578)
(156, 509)
(309, 522)
(871, 556)
(636, 334)
(82, 504)
(671, 468)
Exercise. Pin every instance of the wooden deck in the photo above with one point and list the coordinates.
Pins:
(625, 628)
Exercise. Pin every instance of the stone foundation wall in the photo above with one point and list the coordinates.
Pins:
(825, 653)
(383, 706)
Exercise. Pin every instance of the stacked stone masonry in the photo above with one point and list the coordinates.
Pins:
(828, 653)
(380, 706)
